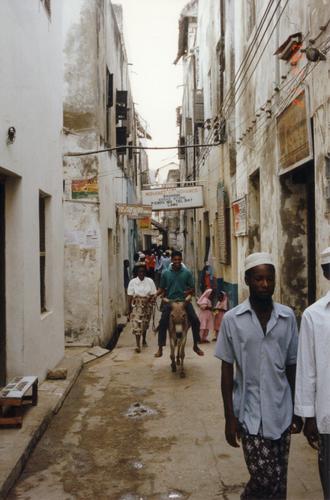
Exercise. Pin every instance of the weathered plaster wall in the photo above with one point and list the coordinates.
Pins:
(283, 202)
(94, 269)
(31, 101)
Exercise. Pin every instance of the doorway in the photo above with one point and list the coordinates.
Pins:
(298, 274)
(3, 360)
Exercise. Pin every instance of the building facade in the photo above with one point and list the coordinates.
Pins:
(31, 218)
(258, 75)
(98, 113)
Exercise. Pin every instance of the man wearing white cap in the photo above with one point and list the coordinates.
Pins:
(260, 338)
(313, 377)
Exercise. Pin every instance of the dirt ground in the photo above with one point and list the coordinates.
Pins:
(132, 430)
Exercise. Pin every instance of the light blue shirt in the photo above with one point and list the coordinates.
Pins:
(262, 395)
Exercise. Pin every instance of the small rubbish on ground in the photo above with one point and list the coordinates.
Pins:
(57, 374)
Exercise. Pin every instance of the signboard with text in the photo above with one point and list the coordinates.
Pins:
(84, 188)
(133, 211)
(173, 198)
(294, 134)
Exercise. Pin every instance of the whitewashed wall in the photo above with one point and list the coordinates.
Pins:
(31, 101)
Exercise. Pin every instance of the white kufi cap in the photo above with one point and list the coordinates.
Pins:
(325, 256)
(258, 259)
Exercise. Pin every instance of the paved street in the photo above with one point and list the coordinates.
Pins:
(132, 430)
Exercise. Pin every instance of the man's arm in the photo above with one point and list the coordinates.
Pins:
(306, 380)
(297, 422)
(227, 385)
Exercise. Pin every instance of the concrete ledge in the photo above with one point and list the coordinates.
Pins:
(16, 445)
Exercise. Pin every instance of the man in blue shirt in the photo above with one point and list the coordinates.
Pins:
(176, 283)
(260, 338)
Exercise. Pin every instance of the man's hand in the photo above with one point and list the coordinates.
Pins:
(311, 432)
(297, 424)
(232, 431)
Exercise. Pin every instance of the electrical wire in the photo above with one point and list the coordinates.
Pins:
(235, 89)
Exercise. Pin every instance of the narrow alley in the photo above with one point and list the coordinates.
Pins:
(132, 430)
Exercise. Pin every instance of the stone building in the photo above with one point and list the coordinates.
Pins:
(257, 91)
(98, 113)
(31, 218)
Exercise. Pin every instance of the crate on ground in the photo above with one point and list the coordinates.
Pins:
(20, 391)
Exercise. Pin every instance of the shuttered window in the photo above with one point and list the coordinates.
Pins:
(199, 107)
(121, 139)
(121, 105)
(181, 151)
(109, 89)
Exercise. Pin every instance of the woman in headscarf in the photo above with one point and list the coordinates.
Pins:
(141, 293)
(205, 315)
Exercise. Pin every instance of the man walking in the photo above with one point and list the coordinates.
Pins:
(260, 338)
(313, 377)
(176, 283)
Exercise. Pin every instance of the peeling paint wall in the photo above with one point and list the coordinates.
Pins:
(97, 240)
(287, 214)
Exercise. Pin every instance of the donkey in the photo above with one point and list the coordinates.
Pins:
(178, 328)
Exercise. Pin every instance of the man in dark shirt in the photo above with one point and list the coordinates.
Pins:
(176, 283)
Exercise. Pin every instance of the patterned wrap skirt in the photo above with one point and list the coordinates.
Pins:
(267, 462)
(141, 314)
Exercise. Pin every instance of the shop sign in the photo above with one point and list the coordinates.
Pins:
(173, 198)
(239, 208)
(133, 211)
(145, 223)
(84, 188)
(294, 135)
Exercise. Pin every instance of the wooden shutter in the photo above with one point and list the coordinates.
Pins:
(121, 105)
(181, 151)
(199, 107)
(223, 226)
(109, 89)
(121, 138)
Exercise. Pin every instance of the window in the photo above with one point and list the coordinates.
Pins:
(42, 250)
(121, 139)
(46, 4)
(121, 105)
(109, 105)
(109, 89)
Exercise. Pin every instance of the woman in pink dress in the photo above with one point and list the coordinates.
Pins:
(220, 309)
(205, 314)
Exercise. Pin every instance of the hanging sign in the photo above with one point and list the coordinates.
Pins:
(133, 211)
(173, 198)
(240, 216)
(145, 223)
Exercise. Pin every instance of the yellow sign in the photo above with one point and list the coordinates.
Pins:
(145, 223)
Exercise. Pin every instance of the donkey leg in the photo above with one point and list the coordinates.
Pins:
(172, 355)
(182, 355)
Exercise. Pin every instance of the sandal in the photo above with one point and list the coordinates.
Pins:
(198, 351)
